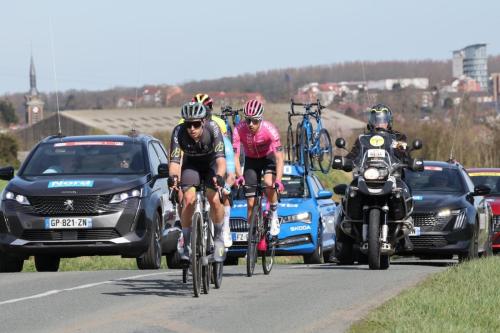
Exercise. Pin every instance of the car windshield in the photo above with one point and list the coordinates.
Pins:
(490, 179)
(86, 157)
(294, 188)
(434, 179)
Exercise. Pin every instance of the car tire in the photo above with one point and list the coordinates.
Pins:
(231, 261)
(472, 250)
(10, 264)
(47, 263)
(317, 256)
(488, 247)
(151, 259)
(173, 260)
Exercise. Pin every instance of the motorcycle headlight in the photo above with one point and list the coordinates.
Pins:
(21, 199)
(119, 197)
(371, 174)
(301, 217)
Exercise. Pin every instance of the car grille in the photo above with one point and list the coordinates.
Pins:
(79, 234)
(429, 221)
(83, 205)
(238, 225)
(496, 223)
(428, 241)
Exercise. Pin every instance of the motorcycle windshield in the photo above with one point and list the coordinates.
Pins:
(377, 150)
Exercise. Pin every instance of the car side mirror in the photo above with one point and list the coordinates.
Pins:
(481, 189)
(7, 173)
(340, 189)
(324, 194)
(417, 144)
(340, 143)
(162, 170)
(417, 164)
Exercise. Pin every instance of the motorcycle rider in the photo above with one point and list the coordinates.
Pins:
(380, 120)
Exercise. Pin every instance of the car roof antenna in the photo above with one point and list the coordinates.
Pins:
(452, 159)
(59, 129)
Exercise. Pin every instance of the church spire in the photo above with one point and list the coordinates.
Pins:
(33, 90)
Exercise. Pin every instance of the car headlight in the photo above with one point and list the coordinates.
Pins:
(448, 212)
(371, 174)
(119, 197)
(460, 216)
(301, 217)
(21, 199)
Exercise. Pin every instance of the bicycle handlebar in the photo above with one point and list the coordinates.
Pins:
(307, 106)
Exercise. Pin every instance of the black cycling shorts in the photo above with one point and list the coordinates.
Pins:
(255, 168)
(193, 173)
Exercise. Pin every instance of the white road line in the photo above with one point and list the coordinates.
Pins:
(83, 286)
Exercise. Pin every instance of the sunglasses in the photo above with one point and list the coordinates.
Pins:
(195, 124)
(253, 121)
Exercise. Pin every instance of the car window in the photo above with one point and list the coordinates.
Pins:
(435, 179)
(468, 181)
(154, 160)
(490, 179)
(86, 157)
(161, 152)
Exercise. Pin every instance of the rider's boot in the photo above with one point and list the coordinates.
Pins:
(183, 246)
(219, 248)
(275, 223)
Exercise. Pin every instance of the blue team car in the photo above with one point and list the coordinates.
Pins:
(306, 212)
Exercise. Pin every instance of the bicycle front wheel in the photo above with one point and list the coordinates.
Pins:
(325, 157)
(304, 157)
(217, 274)
(268, 257)
(253, 237)
(197, 252)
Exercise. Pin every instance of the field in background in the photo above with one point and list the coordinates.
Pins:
(463, 298)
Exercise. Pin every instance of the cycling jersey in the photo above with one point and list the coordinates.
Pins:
(208, 148)
(260, 144)
(221, 123)
(230, 167)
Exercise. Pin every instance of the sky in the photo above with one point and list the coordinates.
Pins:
(98, 44)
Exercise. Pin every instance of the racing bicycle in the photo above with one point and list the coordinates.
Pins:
(312, 147)
(204, 269)
(259, 230)
(227, 113)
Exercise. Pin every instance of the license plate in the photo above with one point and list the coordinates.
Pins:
(376, 153)
(68, 222)
(240, 236)
(415, 231)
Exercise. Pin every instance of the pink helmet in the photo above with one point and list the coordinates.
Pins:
(253, 109)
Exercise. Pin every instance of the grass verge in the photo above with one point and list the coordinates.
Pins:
(463, 298)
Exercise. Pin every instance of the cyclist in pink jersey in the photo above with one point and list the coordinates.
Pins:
(263, 155)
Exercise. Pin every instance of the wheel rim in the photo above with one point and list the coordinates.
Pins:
(326, 151)
(252, 239)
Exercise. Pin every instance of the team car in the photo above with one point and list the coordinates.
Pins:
(451, 216)
(306, 213)
(87, 195)
(491, 178)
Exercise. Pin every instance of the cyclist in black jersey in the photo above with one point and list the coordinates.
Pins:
(198, 141)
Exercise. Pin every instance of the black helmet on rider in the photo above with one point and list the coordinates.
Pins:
(380, 117)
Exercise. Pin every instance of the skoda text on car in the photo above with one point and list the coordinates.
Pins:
(451, 215)
(306, 212)
(87, 195)
(491, 178)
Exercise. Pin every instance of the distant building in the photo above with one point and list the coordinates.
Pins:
(472, 61)
(34, 104)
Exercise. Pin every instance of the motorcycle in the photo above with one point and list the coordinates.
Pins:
(377, 205)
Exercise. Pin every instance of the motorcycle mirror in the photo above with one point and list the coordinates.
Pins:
(340, 143)
(340, 189)
(417, 144)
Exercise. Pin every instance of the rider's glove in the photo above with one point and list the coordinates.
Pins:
(279, 185)
(240, 180)
(219, 181)
(172, 181)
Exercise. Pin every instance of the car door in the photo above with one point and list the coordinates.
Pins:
(166, 206)
(326, 209)
(483, 210)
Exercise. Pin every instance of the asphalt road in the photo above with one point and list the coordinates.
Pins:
(298, 298)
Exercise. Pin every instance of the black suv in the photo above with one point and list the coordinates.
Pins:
(87, 195)
(451, 215)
